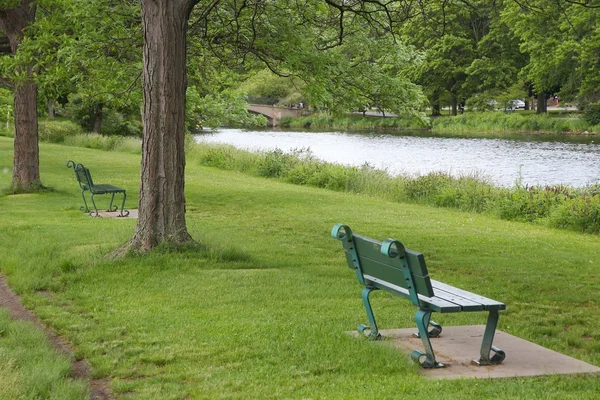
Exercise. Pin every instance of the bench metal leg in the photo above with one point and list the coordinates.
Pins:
(486, 344)
(373, 331)
(95, 208)
(124, 212)
(427, 359)
(110, 206)
(86, 209)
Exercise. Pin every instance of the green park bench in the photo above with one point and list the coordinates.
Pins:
(84, 178)
(390, 267)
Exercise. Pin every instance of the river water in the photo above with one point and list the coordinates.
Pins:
(534, 159)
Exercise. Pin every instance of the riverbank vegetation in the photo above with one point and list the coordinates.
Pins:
(353, 121)
(471, 123)
(262, 307)
(555, 206)
(500, 122)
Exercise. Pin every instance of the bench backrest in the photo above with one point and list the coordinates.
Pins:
(83, 175)
(385, 264)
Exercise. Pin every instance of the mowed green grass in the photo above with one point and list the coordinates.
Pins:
(262, 311)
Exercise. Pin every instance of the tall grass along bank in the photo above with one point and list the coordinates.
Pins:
(61, 131)
(499, 122)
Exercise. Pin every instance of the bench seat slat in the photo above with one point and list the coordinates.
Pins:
(105, 188)
(488, 304)
(465, 304)
(434, 303)
(447, 299)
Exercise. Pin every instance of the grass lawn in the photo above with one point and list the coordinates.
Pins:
(261, 313)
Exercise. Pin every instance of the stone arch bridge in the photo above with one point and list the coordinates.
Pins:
(273, 113)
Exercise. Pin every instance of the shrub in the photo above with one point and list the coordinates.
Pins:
(57, 131)
(467, 194)
(8, 132)
(6, 105)
(530, 203)
(286, 122)
(274, 163)
(426, 187)
(116, 124)
(94, 141)
(320, 174)
(591, 114)
(580, 214)
(219, 157)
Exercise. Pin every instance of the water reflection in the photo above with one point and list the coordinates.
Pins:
(534, 159)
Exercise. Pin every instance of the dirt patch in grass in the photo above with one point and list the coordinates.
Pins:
(79, 368)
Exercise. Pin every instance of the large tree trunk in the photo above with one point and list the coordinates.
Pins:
(26, 161)
(162, 203)
(26, 165)
(542, 106)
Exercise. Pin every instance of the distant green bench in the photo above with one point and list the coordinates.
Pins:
(84, 178)
(390, 267)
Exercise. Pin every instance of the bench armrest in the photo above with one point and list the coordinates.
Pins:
(341, 232)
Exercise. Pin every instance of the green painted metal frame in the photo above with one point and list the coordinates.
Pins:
(84, 178)
(397, 254)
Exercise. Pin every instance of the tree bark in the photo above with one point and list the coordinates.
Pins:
(26, 161)
(96, 118)
(454, 106)
(161, 208)
(542, 107)
(51, 114)
(26, 165)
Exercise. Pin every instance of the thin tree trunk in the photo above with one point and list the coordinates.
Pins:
(454, 106)
(26, 165)
(50, 105)
(161, 213)
(96, 114)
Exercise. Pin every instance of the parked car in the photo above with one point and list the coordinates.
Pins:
(516, 104)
